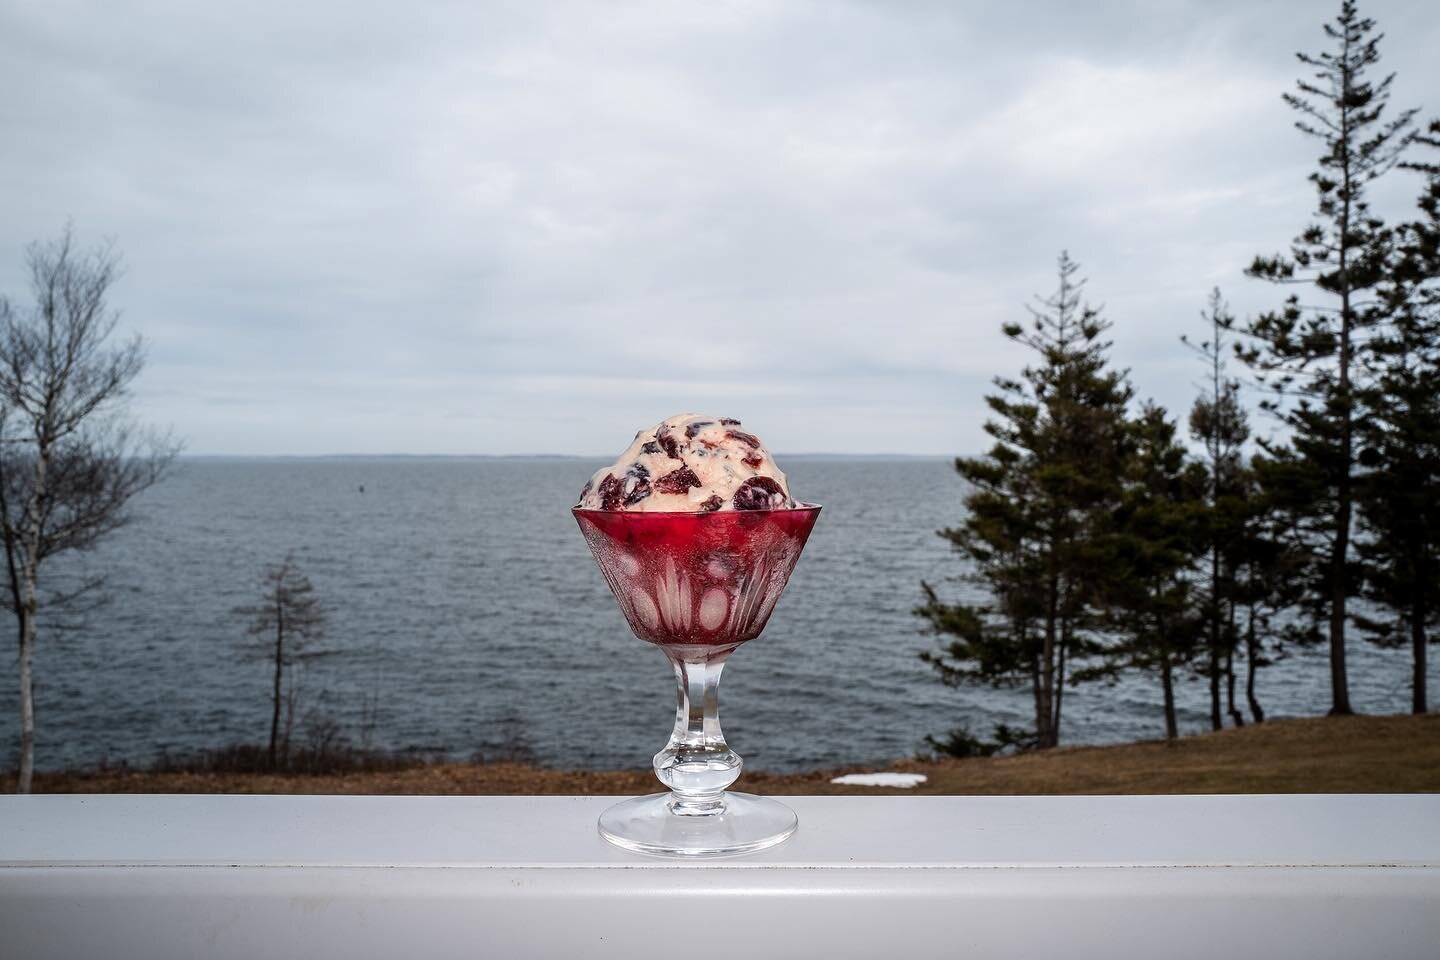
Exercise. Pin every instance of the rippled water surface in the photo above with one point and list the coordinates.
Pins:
(465, 607)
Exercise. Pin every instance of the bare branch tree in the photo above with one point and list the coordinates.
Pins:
(288, 616)
(70, 460)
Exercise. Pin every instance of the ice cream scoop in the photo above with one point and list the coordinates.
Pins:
(690, 463)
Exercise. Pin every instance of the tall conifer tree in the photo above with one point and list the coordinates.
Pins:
(1219, 423)
(1400, 503)
(1312, 355)
(1158, 533)
(1037, 511)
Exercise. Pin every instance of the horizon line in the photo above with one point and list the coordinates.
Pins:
(817, 455)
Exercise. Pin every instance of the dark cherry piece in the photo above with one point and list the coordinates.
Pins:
(612, 492)
(744, 437)
(759, 493)
(670, 445)
(677, 481)
(636, 485)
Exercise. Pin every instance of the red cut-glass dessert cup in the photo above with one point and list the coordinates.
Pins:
(697, 585)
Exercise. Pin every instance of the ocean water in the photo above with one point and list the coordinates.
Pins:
(467, 618)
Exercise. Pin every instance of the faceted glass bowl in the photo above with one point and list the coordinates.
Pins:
(697, 585)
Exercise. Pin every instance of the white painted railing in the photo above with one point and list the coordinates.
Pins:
(904, 877)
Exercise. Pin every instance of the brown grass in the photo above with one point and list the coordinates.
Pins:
(1324, 755)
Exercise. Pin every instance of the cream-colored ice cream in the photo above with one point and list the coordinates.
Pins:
(690, 463)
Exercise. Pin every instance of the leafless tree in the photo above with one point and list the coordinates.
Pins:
(288, 617)
(71, 462)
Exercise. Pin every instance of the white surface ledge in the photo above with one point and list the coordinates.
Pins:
(162, 876)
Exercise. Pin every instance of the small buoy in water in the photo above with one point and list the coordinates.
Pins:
(362, 488)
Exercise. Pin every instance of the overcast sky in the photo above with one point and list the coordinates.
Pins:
(535, 227)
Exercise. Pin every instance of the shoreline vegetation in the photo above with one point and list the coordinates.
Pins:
(1105, 536)
(1347, 754)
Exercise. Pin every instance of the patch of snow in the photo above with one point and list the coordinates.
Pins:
(905, 780)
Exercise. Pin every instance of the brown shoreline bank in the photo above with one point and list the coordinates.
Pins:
(1391, 754)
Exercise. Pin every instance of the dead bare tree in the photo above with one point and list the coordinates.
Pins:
(70, 460)
(287, 618)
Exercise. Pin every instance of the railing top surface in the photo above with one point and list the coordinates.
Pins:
(838, 832)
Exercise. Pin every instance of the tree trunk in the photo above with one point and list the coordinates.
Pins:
(1251, 653)
(1066, 631)
(1041, 710)
(1339, 588)
(292, 697)
(29, 607)
(1213, 671)
(1232, 643)
(1214, 613)
(1168, 682)
(1417, 644)
(1339, 680)
(1060, 686)
(275, 696)
(1045, 735)
(1236, 717)
(27, 706)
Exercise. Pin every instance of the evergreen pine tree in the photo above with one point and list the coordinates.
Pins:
(1037, 511)
(1157, 536)
(1219, 423)
(1313, 356)
(1400, 496)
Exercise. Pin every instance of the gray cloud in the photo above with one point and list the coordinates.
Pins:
(535, 227)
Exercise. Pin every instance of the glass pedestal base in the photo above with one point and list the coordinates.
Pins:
(748, 823)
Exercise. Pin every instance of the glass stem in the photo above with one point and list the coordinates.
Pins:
(697, 764)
